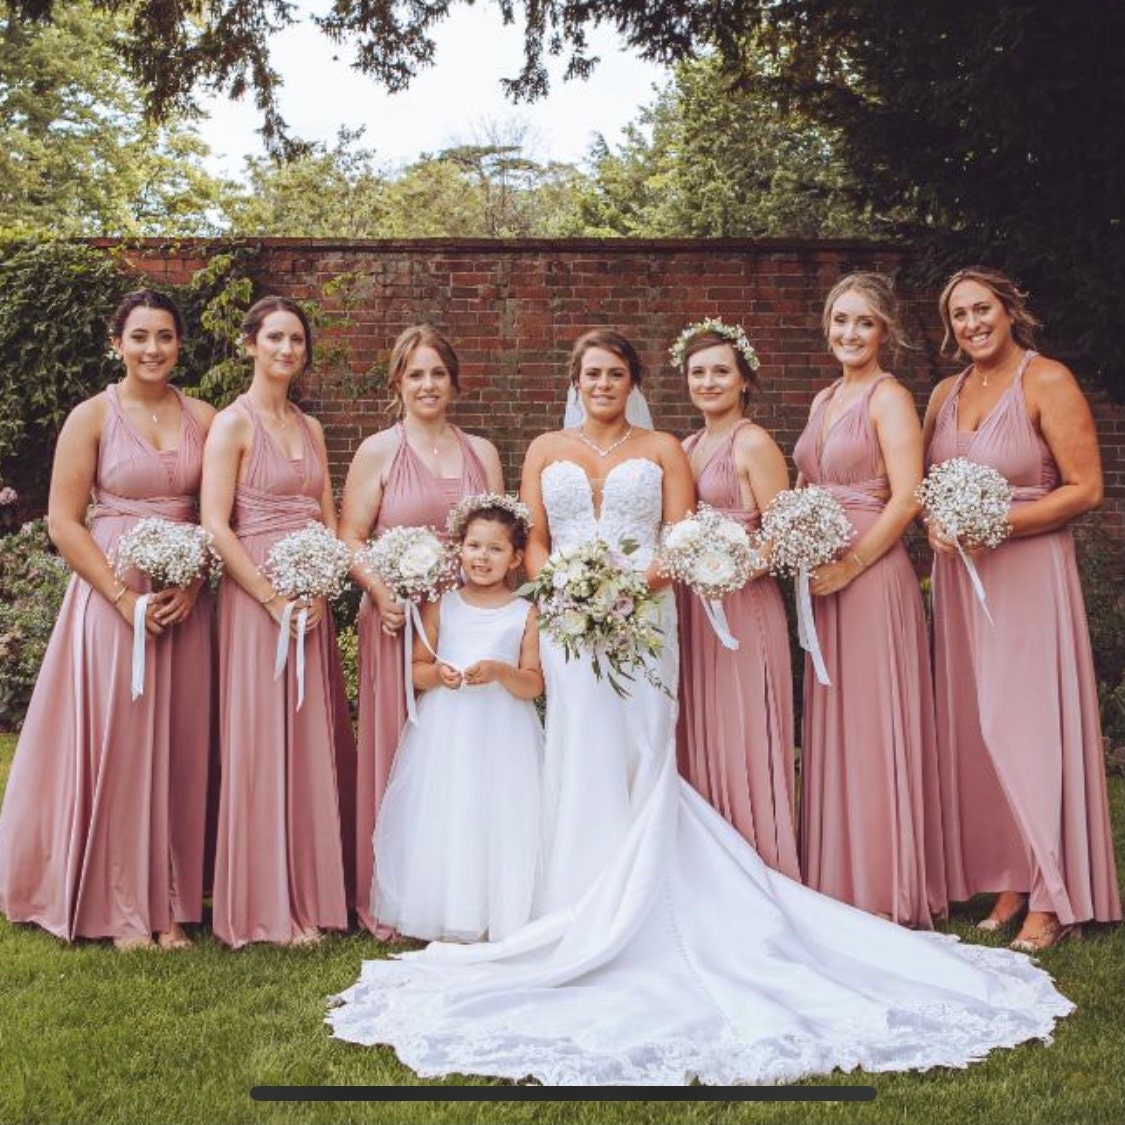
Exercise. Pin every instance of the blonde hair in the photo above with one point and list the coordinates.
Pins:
(1006, 291)
(879, 293)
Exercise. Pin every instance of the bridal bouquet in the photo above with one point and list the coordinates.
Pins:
(591, 602)
(309, 563)
(805, 528)
(415, 565)
(169, 554)
(713, 556)
(970, 503)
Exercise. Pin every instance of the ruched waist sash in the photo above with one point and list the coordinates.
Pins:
(865, 495)
(257, 512)
(180, 509)
(749, 518)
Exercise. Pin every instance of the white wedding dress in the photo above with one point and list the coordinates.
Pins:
(666, 950)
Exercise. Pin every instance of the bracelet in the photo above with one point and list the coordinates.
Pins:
(119, 595)
(859, 562)
(268, 598)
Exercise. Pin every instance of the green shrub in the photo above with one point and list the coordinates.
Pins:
(33, 579)
(348, 641)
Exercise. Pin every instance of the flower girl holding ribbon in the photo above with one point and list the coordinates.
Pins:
(280, 855)
(870, 810)
(102, 828)
(457, 837)
(408, 475)
(734, 736)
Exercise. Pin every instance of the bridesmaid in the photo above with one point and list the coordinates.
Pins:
(1020, 744)
(101, 833)
(870, 808)
(410, 474)
(279, 856)
(735, 731)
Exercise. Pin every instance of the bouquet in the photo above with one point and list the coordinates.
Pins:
(415, 565)
(805, 528)
(712, 555)
(309, 563)
(970, 503)
(592, 602)
(169, 554)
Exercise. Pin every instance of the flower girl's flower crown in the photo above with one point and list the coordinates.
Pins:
(732, 332)
(462, 512)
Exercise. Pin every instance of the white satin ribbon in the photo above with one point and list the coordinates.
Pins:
(139, 610)
(717, 617)
(974, 578)
(414, 623)
(806, 627)
(281, 656)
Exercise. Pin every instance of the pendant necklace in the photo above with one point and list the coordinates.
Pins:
(597, 448)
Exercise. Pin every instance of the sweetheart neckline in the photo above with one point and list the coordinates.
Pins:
(596, 510)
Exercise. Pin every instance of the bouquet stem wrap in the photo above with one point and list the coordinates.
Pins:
(139, 611)
(281, 657)
(806, 627)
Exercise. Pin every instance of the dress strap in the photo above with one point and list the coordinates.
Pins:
(1028, 356)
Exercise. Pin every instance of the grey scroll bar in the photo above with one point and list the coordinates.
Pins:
(563, 1093)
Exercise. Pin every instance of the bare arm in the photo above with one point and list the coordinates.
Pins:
(678, 493)
(72, 481)
(490, 459)
(1059, 408)
(762, 470)
(900, 444)
(938, 540)
(531, 492)
(426, 672)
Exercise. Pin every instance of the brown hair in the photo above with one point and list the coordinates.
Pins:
(612, 341)
(420, 335)
(517, 529)
(1006, 291)
(255, 317)
(707, 339)
(144, 299)
(878, 291)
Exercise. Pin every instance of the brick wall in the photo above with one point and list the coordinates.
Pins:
(512, 309)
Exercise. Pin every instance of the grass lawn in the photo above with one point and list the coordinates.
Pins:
(90, 1035)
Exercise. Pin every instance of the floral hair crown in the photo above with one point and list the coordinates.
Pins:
(714, 324)
(461, 513)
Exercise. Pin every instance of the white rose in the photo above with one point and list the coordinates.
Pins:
(714, 568)
(733, 533)
(681, 534)
(573, 623)
(419, 559)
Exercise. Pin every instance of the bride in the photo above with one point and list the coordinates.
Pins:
(665, 950)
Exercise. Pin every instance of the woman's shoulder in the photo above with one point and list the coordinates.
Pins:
(202, 412)
(1046, 374)
(547, 445)
(751, 437)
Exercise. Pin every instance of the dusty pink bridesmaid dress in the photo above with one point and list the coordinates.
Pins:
(1020, 748)
(279, 854)
(101, 833)
(413, 496)
(870, 804)
(734, 735)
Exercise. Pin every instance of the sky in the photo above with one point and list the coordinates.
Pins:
(453, 102)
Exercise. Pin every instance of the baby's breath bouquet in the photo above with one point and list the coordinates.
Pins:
(416, 566)
(591, 602)
(412, 562)
(713, 556)
(969, 502)
(170, 555)
(805, 528)
(305, 564)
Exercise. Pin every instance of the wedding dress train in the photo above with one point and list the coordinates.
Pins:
(667, 950)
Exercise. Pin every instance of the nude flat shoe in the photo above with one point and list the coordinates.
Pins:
(1051, 934)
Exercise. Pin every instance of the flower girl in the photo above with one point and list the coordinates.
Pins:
(457, 834)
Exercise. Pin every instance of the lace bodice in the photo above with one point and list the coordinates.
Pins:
(632, 506)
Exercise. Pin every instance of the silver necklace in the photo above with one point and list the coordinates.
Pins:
(609, 448)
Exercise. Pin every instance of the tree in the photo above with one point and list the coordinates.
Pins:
(710, 159)
(76, 155)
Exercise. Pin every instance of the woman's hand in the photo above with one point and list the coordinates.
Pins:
(834, 576)
(940, 542)
(127, 606)
(316, 607)
(176, 603)
(392, 614)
